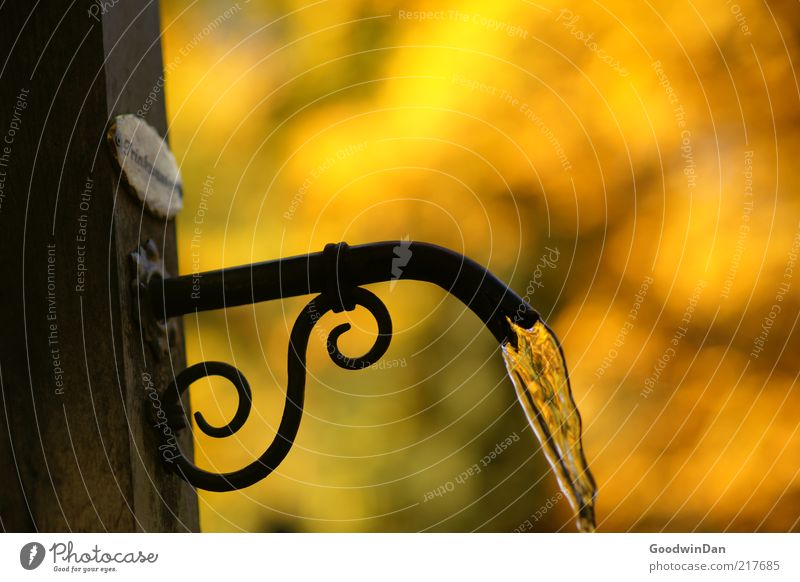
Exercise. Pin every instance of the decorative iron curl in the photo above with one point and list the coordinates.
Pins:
(336, 273)
(295, 390)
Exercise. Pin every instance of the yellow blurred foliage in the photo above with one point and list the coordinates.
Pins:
(646, 143)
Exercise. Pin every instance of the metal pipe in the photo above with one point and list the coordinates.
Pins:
(472, 284)
(337, 275)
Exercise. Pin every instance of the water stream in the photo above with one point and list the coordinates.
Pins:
(537, 369)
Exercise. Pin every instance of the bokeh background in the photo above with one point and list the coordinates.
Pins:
(631, 169)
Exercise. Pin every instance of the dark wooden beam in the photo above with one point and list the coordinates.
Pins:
(78, 450)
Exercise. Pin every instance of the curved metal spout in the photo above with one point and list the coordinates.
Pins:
(474, 285)
(337, 274)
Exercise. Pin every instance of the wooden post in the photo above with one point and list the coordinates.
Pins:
(78, 451)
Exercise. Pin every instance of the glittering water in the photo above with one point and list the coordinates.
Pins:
(537, 369)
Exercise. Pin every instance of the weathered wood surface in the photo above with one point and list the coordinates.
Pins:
(77, 447)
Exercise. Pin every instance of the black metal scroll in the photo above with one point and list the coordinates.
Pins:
(337, 274)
